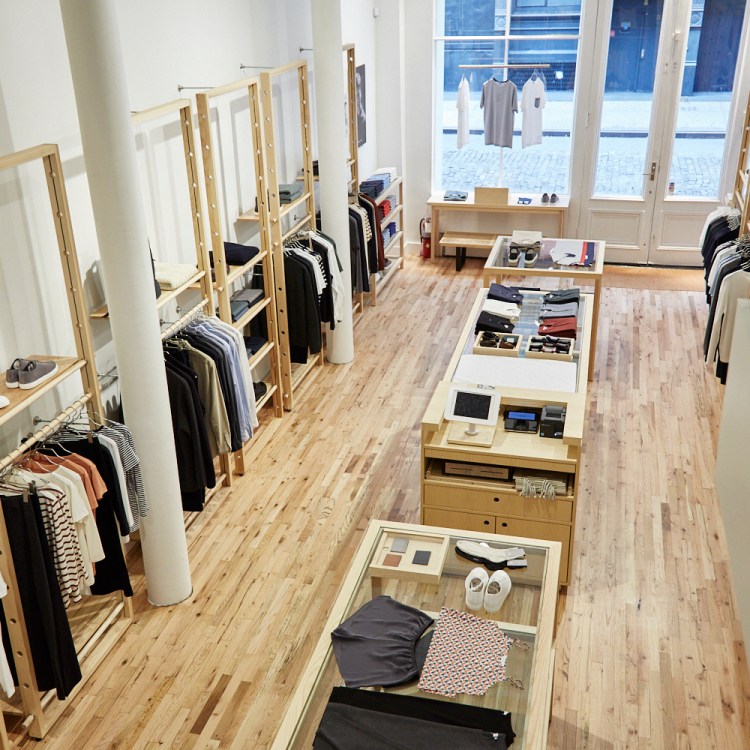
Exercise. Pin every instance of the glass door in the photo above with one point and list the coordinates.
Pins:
(662, 114)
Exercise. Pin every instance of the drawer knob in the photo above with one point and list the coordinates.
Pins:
(486, 523)
(496, 499)
(504, 525)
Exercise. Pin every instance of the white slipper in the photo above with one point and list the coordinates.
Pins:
(476, 584)
(497, 591)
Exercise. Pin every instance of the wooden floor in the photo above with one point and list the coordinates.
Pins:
(648, 653)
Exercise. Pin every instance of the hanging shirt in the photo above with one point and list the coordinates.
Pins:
(500, 103)
(533, 99)
(463, 100)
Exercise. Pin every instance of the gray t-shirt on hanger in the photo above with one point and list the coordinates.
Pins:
(500, 103)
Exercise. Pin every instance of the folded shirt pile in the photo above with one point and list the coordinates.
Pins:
(173, 275)
(236, 254)
(376, 184)
(243, 300)
(505, 293)
(508, 310)
(289, 192)
(559, 313)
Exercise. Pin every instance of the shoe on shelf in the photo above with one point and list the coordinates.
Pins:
(545, 198)
(529, 257)
(260, 389)
(498, 588)
(476, 585)
(3, 402)
(36, 372)
(491, 557)
(514, 255)
(11, 374)
(554, 198)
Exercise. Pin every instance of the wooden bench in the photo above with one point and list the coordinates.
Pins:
(464, 240)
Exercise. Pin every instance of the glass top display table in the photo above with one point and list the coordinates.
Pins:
(528, 615)
(498, 268)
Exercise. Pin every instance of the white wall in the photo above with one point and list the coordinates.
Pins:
(168, 43)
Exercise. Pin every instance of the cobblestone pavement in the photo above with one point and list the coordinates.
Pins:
(621, 162)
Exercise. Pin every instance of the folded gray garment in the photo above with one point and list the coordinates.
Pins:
(559, 311)
(289, 191)
(238, 308)
(251, 296)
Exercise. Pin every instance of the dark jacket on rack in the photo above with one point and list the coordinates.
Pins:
(303, 311)
(375, 248)
(360, 272)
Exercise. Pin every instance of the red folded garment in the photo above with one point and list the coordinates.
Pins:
(565, 327)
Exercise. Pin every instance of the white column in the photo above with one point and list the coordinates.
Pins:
(333, 153)
(96, 63)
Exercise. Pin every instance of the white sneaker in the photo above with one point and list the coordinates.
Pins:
(3, 402)
(476, 584)
(497, 591)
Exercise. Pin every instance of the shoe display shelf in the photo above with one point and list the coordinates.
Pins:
(481, 503)
(96, 623)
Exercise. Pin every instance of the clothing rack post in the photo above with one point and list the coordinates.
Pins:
(741, 194)
(225, 277)
(188, 317)
(291, 377)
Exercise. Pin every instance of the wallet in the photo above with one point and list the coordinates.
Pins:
(491, 322)
(505, 294)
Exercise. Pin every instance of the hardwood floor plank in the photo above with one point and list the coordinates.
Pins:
(648, 651)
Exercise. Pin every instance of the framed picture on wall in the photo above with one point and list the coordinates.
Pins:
(361, 106)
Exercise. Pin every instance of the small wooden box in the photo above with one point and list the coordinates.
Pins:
(407, 570)
(491, 196)
(496, 350)
(551, 355)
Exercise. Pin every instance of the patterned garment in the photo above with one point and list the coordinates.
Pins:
(467, 655)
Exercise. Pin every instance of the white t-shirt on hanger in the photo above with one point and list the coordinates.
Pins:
(6, 678)
(463, 102)
(533, 99)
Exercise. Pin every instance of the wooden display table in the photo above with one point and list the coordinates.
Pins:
(494, 505)
(527, 615)
(439, 206)
(498, 269)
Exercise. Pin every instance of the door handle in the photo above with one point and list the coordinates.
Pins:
(652, 173)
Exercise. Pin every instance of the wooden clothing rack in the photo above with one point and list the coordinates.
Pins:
(741, 194)
(292, 375)
(226, 276)
(94, 634)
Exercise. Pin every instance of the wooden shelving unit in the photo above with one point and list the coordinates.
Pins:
(741, 192)
(291, 375)
(394, 247)
(96, 629)
(226, 275)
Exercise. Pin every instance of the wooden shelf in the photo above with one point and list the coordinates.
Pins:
(287, 208)
(251, 215)
(391, 216)
(300, 371)
(240, 323)
(240, 270)
(165, 297)
(22, 399)
(385, 276)
(396, 237)
(388, 190)
(263, 400)
(260, 354)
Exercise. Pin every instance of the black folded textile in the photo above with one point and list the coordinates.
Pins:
(505, 294)
(455, 195)
(490, 322)
(440, 712)
(253, 344)
(236, 254)
(562, 297)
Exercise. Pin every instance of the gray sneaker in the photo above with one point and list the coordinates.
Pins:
(36, 372)
(11, 374)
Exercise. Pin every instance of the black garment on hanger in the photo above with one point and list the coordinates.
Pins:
(303, 311)
(53, 652)
(359, 253)
(111, 573)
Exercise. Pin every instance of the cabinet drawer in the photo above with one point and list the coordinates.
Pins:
(478, 501)
(539, 509)
(539, 530)
(453, 519)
